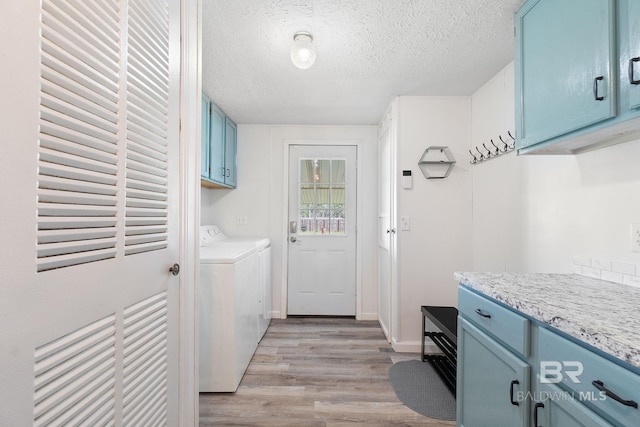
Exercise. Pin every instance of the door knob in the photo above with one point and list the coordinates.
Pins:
(175, 269)
(293, 239)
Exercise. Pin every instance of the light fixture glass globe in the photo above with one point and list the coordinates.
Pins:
(303, 53)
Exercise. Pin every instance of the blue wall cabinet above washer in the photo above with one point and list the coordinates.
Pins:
(565, 67)
(219, 147)
(230, 152)
(204, 139)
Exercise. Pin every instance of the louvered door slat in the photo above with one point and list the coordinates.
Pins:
(147, 124)
(49, 196)
(103, 22)
(56, 92)
(80, 50)
(155, 135)
(158, 164)
(78, 154)
(53, 236)
(77, 113)
(152, 151)
(152, 17)
(154, 61)
(145, 358)
(99, 96)
(147, 70)
(144, 94)
(64, 184)
(58, 154)
(74, 372)
(143, 117)
(147, 405)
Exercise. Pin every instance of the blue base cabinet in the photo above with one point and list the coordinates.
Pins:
(537, 377)
(219, 147)
(573, 63)
(489, 379)
(555, 407)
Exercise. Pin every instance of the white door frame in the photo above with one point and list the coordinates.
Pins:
(190, 120)
(285, 218)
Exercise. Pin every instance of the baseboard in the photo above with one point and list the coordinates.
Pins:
(368, 316)
(414, 347)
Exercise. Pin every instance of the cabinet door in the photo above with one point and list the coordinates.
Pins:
(489, 378)
(557, 408)
(216, 153)
(630, 58)
(204, 138)
(230, 152)
(565, 57)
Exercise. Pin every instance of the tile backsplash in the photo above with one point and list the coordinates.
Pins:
(612, 271)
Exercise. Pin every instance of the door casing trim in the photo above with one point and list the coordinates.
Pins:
(285, 218)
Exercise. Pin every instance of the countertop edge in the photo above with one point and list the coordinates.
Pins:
(583, 333)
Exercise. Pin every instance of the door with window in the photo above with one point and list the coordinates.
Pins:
(322, 230)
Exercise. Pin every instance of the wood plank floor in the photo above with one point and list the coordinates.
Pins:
(315, 372)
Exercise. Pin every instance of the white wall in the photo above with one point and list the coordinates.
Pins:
(439, 209)
(534, 213)
(261, 197)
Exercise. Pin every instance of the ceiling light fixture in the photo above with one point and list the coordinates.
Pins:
(303, 53)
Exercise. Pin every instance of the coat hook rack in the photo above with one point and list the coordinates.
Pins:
(495, 149)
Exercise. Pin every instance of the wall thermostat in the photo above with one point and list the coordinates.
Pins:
(407, 181)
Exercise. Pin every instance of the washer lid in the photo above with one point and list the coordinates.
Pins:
(225, 254)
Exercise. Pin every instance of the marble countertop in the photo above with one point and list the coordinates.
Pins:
(603, 314)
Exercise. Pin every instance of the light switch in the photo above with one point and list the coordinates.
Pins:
(405, 223)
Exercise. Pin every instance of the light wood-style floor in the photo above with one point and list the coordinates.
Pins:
(315, 372)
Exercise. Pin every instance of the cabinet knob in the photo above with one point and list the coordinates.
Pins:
(513, 383)
(535, 413)
(596, 87)
(482, 314)
(632, 78)
(600, 386)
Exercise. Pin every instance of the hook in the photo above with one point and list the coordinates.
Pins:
(510, 136)
(479, 152)
(475, 159)
(506, 146)
(489, 153)
(497, 149)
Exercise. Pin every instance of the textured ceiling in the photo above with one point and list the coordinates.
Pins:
(368, 52)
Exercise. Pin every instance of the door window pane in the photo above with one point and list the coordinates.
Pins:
(322, 185)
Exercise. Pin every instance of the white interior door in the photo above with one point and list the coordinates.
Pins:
(322, 230)
(386, 233)
(89, 125)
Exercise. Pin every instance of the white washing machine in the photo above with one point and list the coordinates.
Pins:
(211, 235)
(230, 314)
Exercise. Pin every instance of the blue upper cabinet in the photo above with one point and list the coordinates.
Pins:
(219, 146)
(216, 151)
(629, 12)
(204, 139)
(230, 152)
(565, 68)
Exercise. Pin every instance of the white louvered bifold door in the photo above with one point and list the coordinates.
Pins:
(89, 127)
